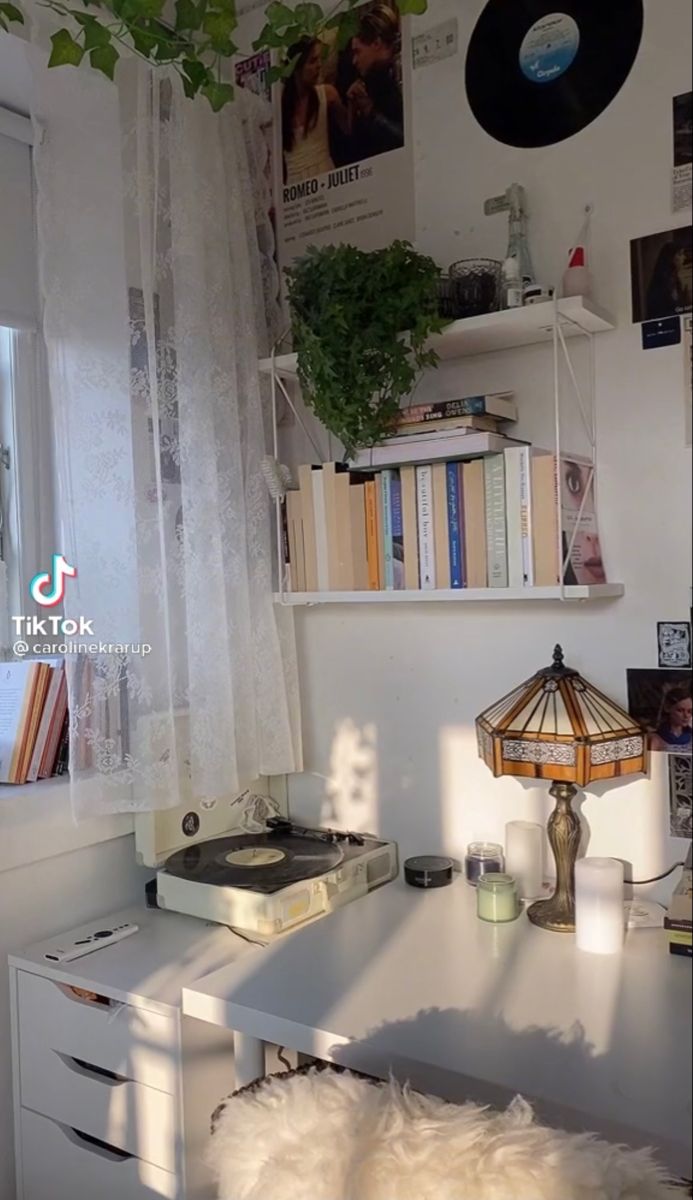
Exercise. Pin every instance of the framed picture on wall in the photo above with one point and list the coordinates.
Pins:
(660, 701)
(661, 266)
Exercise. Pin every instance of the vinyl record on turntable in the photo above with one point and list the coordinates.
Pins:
(264, 862)
(539, 71)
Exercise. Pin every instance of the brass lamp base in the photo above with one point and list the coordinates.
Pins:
(558, 913)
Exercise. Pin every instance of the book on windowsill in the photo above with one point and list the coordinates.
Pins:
(31, 699)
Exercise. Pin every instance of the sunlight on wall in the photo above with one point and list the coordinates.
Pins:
(474, 805)
(351, 789)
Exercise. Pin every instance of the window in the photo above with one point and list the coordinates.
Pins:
(26, 508)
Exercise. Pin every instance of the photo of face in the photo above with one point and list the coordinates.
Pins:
(661, 702)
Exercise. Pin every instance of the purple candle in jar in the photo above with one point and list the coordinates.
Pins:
(482, 857)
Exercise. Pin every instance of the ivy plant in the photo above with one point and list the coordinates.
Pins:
(195, 37)
(360, 323)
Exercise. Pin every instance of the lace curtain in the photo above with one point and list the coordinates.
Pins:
(157, 283)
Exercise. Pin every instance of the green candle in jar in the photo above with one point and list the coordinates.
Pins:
(496, 897)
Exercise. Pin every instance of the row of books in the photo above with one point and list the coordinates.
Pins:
(475, 523)
(678, 921)
(33, 720)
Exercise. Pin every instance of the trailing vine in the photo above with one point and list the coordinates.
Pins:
(197, 40)
(360, 324)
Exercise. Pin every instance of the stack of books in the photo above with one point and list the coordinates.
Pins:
(33, 720)
(426, 432)
(679, 919)
(472, 522)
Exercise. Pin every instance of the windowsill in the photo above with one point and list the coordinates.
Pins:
(36, 823)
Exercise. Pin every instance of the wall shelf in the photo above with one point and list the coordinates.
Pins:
(495, 331)
(600, 591)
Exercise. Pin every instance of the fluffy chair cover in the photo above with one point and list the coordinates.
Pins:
(324, 1135)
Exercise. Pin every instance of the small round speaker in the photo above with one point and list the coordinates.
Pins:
(428, 871)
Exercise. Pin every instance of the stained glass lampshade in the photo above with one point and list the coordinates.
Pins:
(558, 726)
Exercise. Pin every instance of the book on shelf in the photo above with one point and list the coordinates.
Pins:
(487, 521)
(495, 404)
(480, 424)
(33, 697)
(570, 483)
(431, 447)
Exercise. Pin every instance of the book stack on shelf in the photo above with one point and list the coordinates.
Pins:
(33, 720)
(678, 921)
(470, 509)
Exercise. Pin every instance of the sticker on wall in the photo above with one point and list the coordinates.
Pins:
(682, 177)
(680, 786)
(660, 701)
(666, 332)
(435, 44)
(673, 644)
(661, 267)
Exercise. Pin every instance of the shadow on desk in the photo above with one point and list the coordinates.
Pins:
(536, 1058)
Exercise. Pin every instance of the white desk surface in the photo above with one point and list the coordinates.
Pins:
(412, 981)
(149, 968)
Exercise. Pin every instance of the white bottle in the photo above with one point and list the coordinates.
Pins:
(512, 284)
(576, 277)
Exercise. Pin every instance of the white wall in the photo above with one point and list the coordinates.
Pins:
(390, 694)
(38, 900)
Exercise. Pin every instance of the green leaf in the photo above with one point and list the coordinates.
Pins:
(94, 32)
(188, 15)
(10, 12)
(416, 7)
(279, 15)
(347, 28)
(219, 26)
(104, 59)
(269, 39)
(196, 72)
(66, 51)
(218, 94)
(142, 39)
(310, 16)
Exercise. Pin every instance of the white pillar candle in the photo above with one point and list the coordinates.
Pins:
(524, 859)
(599, 912)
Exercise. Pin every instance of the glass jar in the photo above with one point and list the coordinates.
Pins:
(497, 899)
(480, 858)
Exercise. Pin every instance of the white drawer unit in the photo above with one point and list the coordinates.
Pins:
(113, 1088)
(62, 1163)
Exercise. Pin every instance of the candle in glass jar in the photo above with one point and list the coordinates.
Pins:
(496, 898)
(599, 912)
(480, 858)
(524, 858)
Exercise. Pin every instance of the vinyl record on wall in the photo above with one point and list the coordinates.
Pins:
(539, 71)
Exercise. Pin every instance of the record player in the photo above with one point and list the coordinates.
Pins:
(265, 883)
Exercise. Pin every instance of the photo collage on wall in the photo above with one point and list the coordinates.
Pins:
(659, 699)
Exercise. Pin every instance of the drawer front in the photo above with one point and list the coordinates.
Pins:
(133, 1042)
(59, 1163)
(128, 1115)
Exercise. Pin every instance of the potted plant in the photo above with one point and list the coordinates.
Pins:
(360, 322)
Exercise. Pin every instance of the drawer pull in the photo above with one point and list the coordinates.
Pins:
(95, 1145)
(79, 1067)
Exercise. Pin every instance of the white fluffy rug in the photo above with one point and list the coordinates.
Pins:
(324, 1135)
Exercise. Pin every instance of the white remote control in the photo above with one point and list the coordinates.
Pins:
(90, 942)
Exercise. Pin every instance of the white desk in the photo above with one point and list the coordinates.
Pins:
(412, 981)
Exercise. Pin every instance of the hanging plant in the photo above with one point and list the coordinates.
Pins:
(197, 41)
(360, 324)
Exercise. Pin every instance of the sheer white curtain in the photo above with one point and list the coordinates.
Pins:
(149, 207)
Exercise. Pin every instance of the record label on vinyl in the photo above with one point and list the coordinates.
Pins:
(549, 47)
(536, 75)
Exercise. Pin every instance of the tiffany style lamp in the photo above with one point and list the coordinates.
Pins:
(558, 726)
